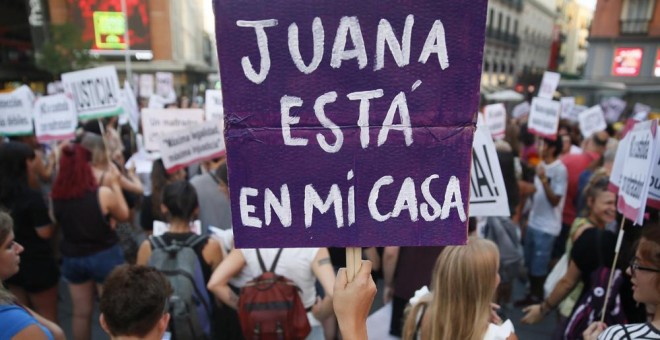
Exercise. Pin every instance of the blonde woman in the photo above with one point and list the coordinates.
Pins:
(464, 282)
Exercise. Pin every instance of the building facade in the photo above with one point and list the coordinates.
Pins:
(624, 50)
(574, 21)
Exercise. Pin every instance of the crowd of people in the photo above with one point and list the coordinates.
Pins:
(79, 213)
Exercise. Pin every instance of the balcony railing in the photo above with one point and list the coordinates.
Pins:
(503, 37)
(636, 26)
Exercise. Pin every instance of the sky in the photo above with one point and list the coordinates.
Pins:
(591, 4)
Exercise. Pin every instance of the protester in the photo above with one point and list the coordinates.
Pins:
(134, 304)
(179, 204)
(41, 168)
(214, 207)
(102, 166)
(545, 217)
(35, 285)
(465, 280)
(301, 265)
(90, 246)
(17, 321)
(151, 211)
(352, 301)
(644, 269)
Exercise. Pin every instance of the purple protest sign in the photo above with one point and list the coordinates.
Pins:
(349, 123)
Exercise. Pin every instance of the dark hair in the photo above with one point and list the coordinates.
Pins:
(134, 299)
(221, 173)
(557, 144)
(13, 169)
(75, 177)
(180, 199)
(159, 179)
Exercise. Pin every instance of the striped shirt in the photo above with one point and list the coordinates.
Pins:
(635, 331)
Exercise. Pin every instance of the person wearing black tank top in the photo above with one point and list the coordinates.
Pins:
(89, 245)
(180, 206)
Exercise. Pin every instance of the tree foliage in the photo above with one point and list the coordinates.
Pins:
(64, 51)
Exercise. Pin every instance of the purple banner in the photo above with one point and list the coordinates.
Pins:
(349, 123)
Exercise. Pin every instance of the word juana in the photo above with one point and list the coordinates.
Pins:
(94, 93)
(349, 27)
(430, 210)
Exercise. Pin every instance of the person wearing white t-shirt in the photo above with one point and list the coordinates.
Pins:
(301, 265)
(544, 223)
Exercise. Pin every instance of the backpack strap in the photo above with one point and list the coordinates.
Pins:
(195, 240)
(157, 242)
(261, 261)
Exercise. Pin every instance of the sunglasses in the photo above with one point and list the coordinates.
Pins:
(634, 266)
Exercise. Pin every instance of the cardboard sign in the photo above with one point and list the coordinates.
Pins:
(213, 105)
(146, 89)
(520, 110)
(567, 105)
(613, 108)
(95, 92)
(495, 115)
(591, 121)
(544, 117)
(160, 227)
(343, 123)
(635, 177)
(165, 85)
(157, 122)
(16, 112)
(549, 84)
(131, 106)
(487, 191)
(197, 143)
(54, 118)
(641, 111)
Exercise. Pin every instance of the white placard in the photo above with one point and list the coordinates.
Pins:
(617, 167)
(16, 112)
(487, 191)
(160, 227)
(613, 108)
(157, 122)
(520, 110)
(591, 121)
(55, 118)
(95, 92)
(165, 85)
(131, 106)
(549, 84)
(146, 89)
(495, 115)
(641, 111)
(55, 87)
(567, 104)
(544, 117)
(636, 172)
(194, 144)
(213, 105)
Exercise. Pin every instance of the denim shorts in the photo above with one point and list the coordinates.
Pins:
(95, 267)
(538, 250)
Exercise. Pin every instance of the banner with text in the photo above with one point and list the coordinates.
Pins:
(495, 115)
(549, 84)
(613, 107)
(146, 88)
(197, 143)
(487, 192)
(344, 126)
(158, 122)
(165, 85)
(567, 105)
(131, 106)
(16, 112)
(55, 118)
(635, 178)
(544, 117)
(591, 121)
(95, 92)
(213, 105)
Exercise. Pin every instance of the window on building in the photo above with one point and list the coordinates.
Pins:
(499, 22)
(490, 18)
(486, 66)
(508, 22)
(494, 67)
(636, 15)
(511, 69)
(515, 27)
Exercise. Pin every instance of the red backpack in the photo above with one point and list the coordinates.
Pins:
(269, 306)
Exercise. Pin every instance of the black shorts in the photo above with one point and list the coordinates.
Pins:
(35, 276)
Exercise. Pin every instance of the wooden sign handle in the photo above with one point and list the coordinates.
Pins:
(353, 262)
(613, 268)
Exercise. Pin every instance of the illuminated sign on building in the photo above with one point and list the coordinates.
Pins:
(627, 61)
(103, 25)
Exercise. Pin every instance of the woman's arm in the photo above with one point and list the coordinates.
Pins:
(535, 313)
(112, 199)
(144, 253)
(324, 272)
(212, 253)
(219, 282)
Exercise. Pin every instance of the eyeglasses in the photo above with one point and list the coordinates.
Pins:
(634, 266)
